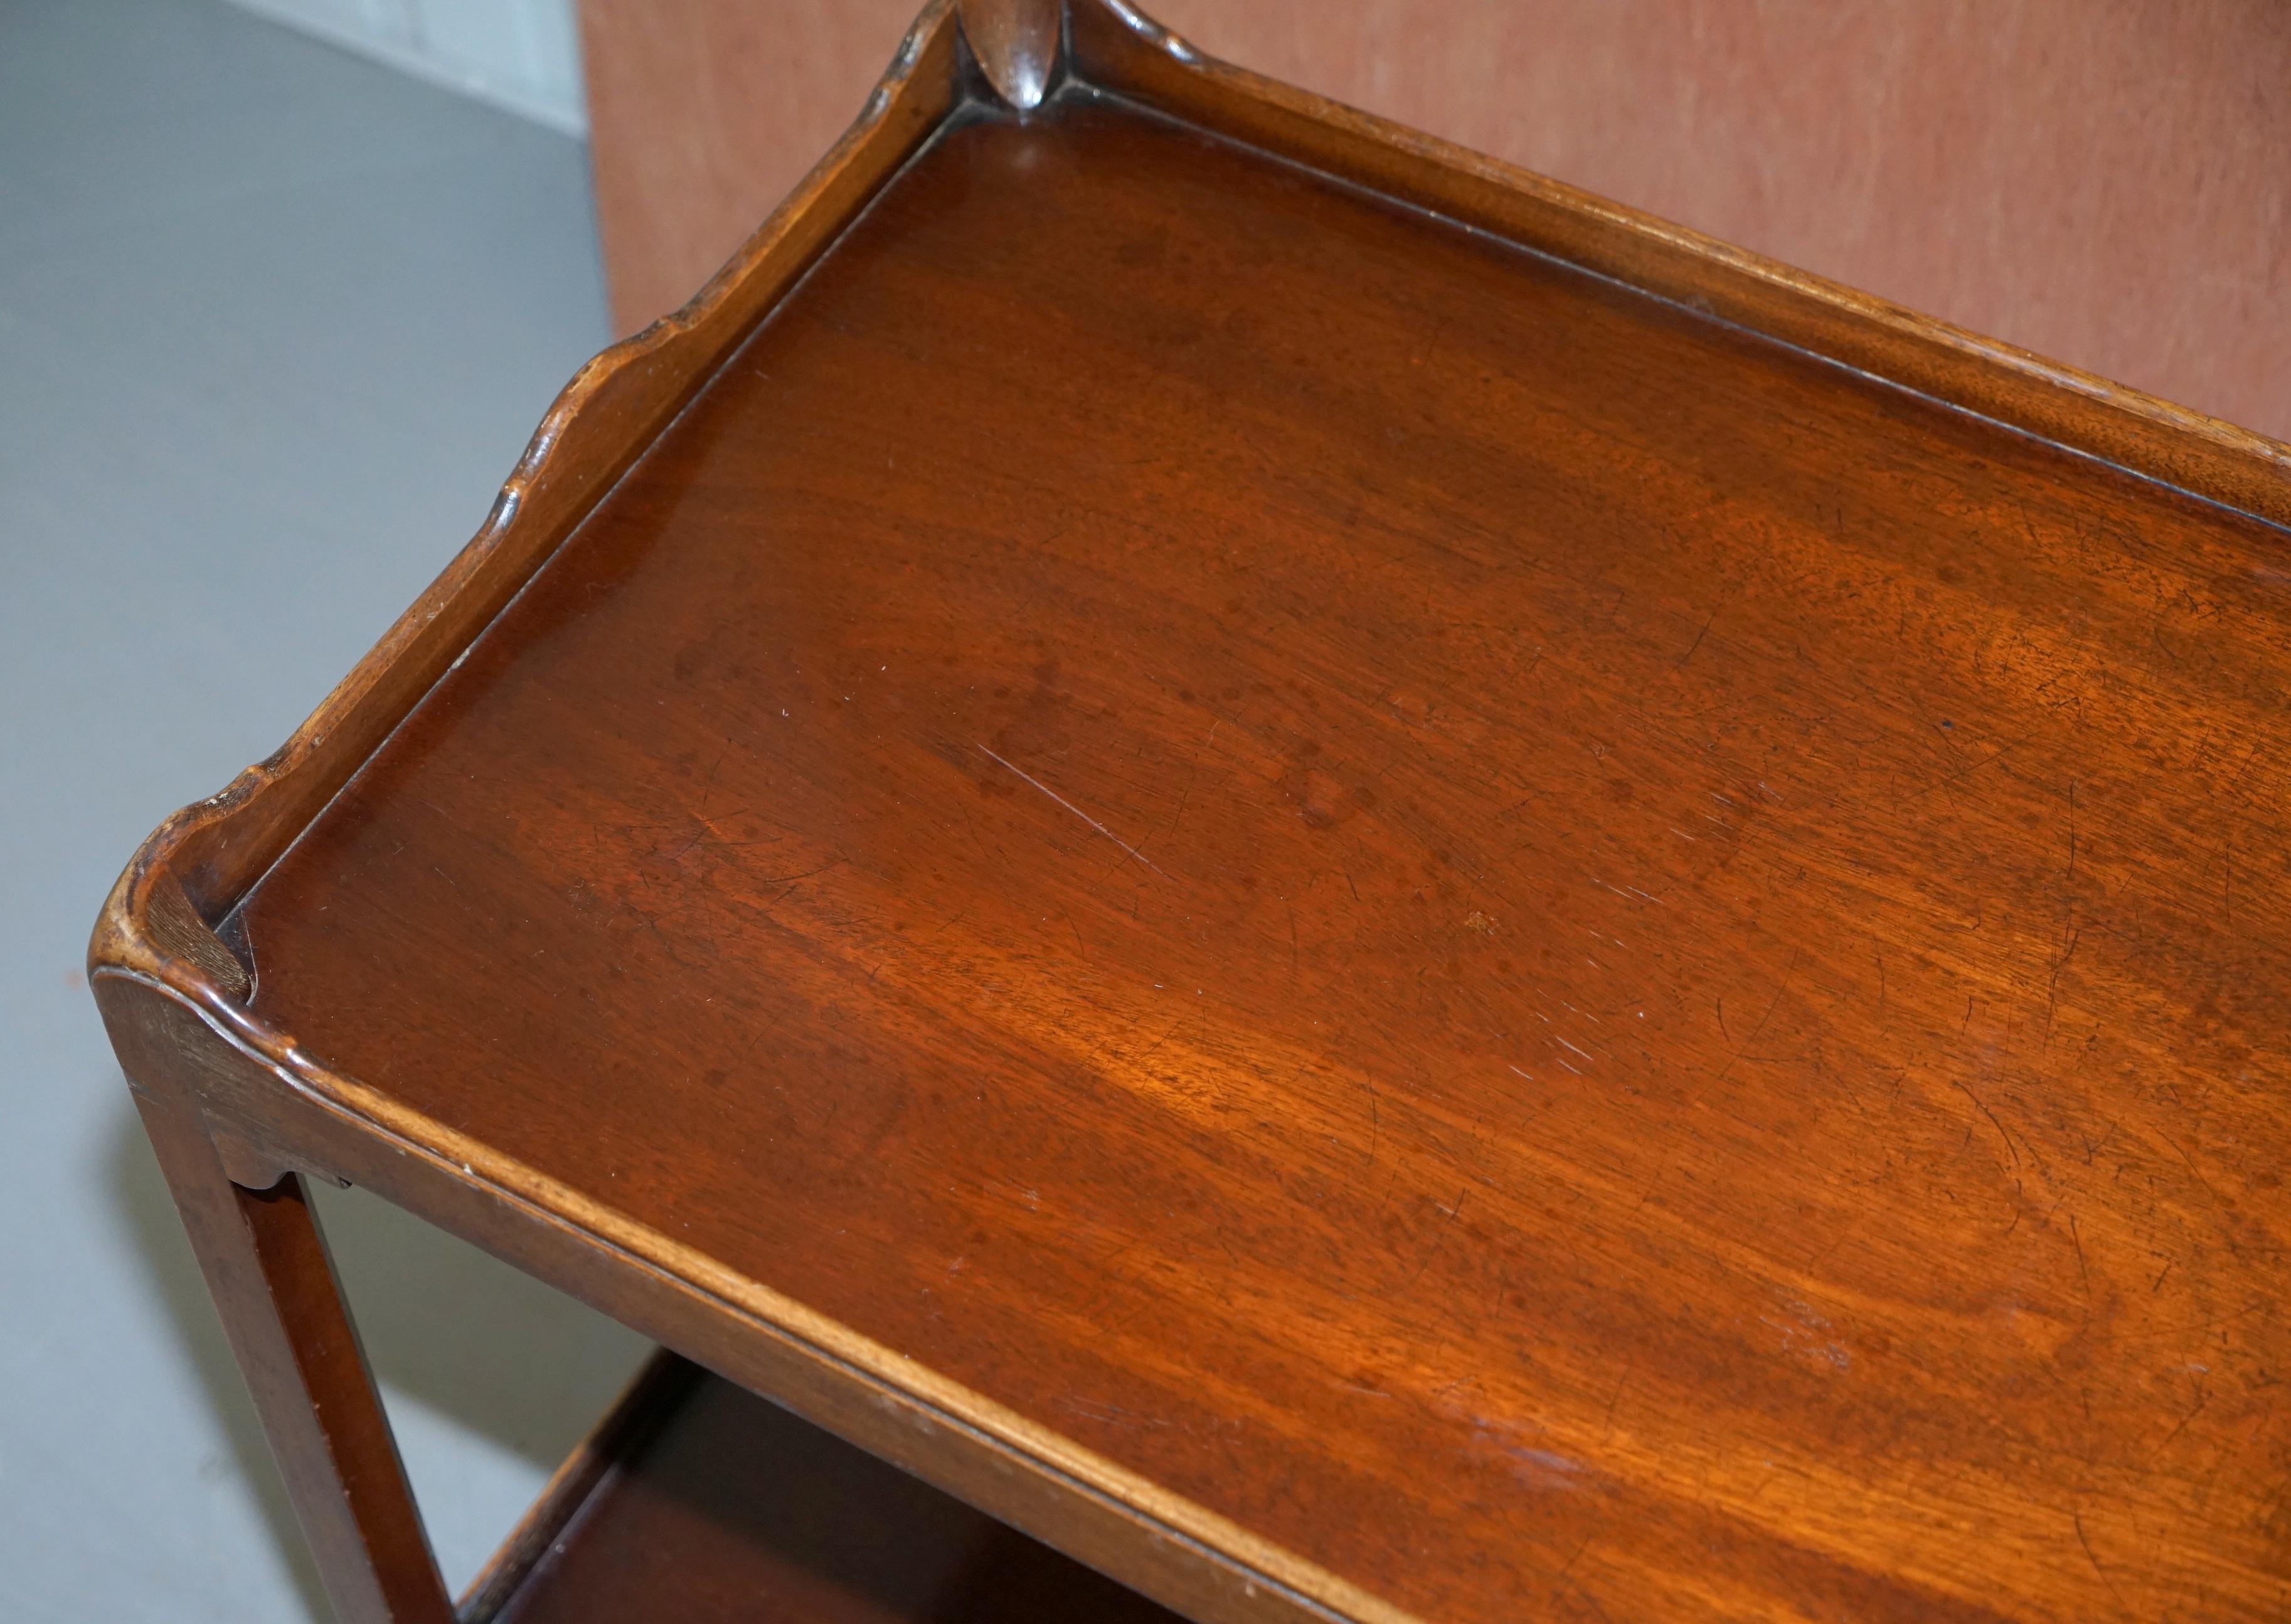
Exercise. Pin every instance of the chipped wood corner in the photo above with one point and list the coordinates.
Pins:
(149, 924)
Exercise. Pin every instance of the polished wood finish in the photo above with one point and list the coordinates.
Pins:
(604, 418)
(2100, 183)
(2104, 184)
(629, 1429)
(1364, 889)
(710, 1504)
(1016, 43)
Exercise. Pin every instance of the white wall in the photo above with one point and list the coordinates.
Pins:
(524, 55)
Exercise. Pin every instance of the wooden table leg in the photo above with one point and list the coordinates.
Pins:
(267, 1265)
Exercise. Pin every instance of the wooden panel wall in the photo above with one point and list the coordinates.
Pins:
(704, 113)
(2105, 182)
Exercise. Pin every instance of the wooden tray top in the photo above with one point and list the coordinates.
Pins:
(1373, 892)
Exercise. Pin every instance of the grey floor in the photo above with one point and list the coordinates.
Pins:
(274, 323)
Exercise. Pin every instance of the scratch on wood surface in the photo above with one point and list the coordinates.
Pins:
(2010, 1149)
(1076, 810)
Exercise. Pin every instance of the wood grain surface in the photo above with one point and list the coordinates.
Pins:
(2102, 183)
(1567, 961)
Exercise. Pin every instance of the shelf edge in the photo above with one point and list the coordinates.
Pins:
(1117, 47)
